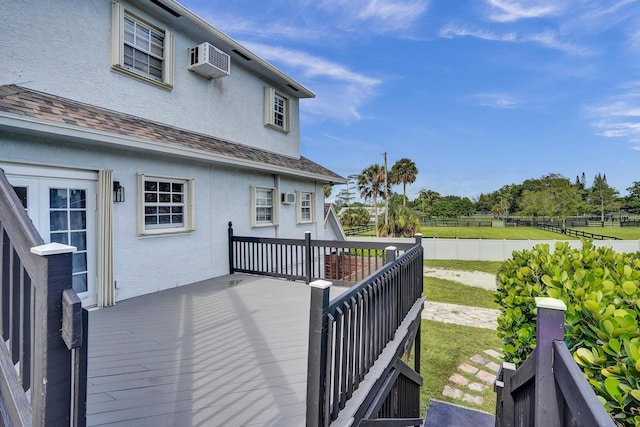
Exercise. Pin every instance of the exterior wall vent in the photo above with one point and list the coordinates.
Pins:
(288, 198)
(209, 61)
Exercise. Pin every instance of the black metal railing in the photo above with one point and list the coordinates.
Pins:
(548, 389)
(306, 259)
(349, 335)
(42, 382)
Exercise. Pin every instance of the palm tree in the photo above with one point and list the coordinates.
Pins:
(371, 186)
(402, 222)
(326, 189)
(403, 171)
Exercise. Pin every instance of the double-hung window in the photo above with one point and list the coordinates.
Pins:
(306, 211)
(277, 113)
(264, 207)
(140, 49)
(166, 205)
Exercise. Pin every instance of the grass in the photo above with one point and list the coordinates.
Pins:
(490, 267)
(440, 290)
(626, 233)
(509, 233)
(444, 348)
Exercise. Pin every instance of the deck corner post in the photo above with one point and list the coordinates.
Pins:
(418, 237)
(307, 256)
(549, 328)
(52, 406)
(316, 361)
(390, 254)
(230, 231)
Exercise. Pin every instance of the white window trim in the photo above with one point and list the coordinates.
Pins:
(299, 218)
(274, 206)
(189, 211)
(269, 113)
(117, 49)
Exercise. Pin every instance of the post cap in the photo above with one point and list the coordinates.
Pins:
(550, 303)
(390, 248)
(321, 284)
(53, 249)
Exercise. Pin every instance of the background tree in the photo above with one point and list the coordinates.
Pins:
(602, 198)
(425, 200)
(555, 197)
(355, 217)
(632, 201)
(371, 186)
(404, 172)
(346, 196)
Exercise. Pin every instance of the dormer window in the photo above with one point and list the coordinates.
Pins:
(140, 49)
(277, 112)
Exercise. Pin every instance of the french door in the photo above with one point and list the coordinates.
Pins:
(64, 211)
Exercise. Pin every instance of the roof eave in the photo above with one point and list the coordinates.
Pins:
(20, 124)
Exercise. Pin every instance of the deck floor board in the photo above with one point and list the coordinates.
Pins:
(229, 351)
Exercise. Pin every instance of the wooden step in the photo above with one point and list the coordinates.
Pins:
(443, 414)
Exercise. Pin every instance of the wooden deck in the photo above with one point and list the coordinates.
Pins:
(229, 351)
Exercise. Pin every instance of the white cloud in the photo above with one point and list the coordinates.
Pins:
(379, 16)
(619, 117)
(548, 39)
(452, 31)
(514, 10)
(496, 100)
(340, 92)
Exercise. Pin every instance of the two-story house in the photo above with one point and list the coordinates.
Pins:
(136, 131)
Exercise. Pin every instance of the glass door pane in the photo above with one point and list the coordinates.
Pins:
(68, 225)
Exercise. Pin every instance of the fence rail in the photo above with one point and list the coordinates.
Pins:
(351, 334)
(357, 341)
(342, 262)
(548, 389)
(42, 382)
(361, 229)
(575, 233)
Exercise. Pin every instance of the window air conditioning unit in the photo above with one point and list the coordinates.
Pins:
(288, 198)
(209, 61)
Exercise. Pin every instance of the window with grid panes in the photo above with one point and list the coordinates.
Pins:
(264, 205)
(305, 213)
(141, 49)
(165, 205)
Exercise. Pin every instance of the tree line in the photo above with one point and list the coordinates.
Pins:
(552, 195)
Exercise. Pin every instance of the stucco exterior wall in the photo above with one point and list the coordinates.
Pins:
(222, 194)
(64, 48)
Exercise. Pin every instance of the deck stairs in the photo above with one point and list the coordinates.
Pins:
(443, 414)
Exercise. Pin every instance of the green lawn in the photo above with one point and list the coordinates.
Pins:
(626, 233)
(512, 233)
(490, 267)
(440, 290)
(444, 348)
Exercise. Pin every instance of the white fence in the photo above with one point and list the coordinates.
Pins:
(493, 250)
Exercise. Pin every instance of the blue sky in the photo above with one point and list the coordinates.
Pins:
(479, 93)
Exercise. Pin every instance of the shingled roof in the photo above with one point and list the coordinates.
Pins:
(21, 101)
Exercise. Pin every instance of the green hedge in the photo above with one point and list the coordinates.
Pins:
(601, 290)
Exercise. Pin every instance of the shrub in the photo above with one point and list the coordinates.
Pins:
(402, 222)
(600, 289)
(355, 217)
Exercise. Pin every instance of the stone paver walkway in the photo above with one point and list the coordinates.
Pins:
(460, 314)
(473, 377)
